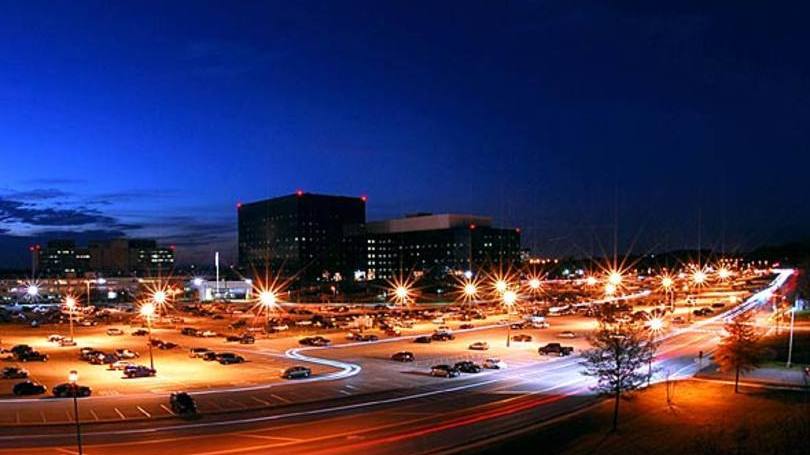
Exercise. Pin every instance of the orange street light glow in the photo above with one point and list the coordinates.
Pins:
(591, 281)
(509, 298)
(534, 283)
(147, 310)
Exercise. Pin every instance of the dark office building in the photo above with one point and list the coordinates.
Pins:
(130, 256)
(62, 258)
(301, 233)
(437, 245)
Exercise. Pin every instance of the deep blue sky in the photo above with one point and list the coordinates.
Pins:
(154, 119)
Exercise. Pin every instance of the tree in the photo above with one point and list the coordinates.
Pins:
(739, 351)
(619, 358)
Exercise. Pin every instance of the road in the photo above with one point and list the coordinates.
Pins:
(376, 408)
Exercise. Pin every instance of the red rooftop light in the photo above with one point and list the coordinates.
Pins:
(238, 205)
(364, 198)
(299, 193)
(472, 226)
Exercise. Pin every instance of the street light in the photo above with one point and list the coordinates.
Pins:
(501, 286)
(610, 289)
(159, 297)
(32, 290)
(147, 311)
(534, 284)
(667, 283)
(509, 298)
(267, 299)
(615, 278)
(591, 281)
(73, 377)
(70, 303)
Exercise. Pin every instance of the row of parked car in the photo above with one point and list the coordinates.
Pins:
(224, 358)
(30, 387)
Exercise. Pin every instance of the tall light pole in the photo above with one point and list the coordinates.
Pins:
(73, 377)
(509, 298)
(70, 303)
(147, 310)
(790, 342)
(268, 300)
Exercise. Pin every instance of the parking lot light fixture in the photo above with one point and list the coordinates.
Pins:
(73, 378)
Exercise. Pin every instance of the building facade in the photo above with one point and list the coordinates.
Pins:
(437, 245)
(302, 233)
(64, 259)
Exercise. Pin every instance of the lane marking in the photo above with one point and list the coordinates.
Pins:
(168, 411)
(260, 401)
(120, 414)
(143, 411)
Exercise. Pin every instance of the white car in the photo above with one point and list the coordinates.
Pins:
(540, 325)
(479, 346)
(55, 338)
(567, 334)
(122, 365)
(494, 364)
(209, 334)
(438, 321)
(126, 354)
(280, 328)
(115, 331)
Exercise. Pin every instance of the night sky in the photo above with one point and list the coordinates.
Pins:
(154, 119)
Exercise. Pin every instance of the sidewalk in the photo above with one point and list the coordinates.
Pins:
(766, 376)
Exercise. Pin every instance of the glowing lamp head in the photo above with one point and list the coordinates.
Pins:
(666, 282)
(401, 292)
(501, 286)
(724, 273)
(699, 277)
(590, 281)
(32, 290)
(73, 376)
(267, 298)
(615, 278)
(159, 297)
(655, 324)
(534, 283)
(197, 282)
(470, 290)
(610, 289)
(509, 298)
(70, 302)
(147, 310)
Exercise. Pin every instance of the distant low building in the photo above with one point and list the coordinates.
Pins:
(437, 244)
(62, 258)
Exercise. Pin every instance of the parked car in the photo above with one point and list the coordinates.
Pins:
(232, 338)
(208, 334)
(467, 366)
(247, 339)
(422, 339)
(166, 345)
(140, 333)
(28, 388)
(33, 356)
(67, 342)
(479, 346)
(494, 364)
(197, 353)
(367, 337)
(121, 365)
(209, 356)
(314, 341)
(14, 373)
(126, 354)
(66, 390)
(114, 331)
(296, 372)
(403, 356)
(444, 371)
(567, 334)
(466, 326)
(139, 371)
(55, 338)
(522, 338)
(443, 336)
(228, 358)
(182, 404)
(555, 349)
(189, 331)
